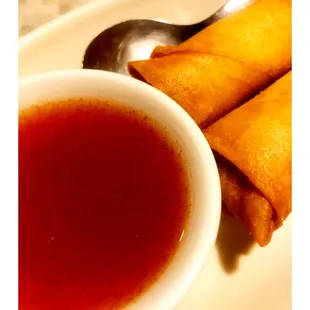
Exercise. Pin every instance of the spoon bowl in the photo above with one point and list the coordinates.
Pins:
(135, 39)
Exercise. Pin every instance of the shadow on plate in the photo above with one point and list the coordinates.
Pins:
(232, 242)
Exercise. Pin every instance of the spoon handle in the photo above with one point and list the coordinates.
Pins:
(230, 7)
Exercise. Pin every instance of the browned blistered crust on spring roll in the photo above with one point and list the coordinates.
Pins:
(252, 146)
(224, 65)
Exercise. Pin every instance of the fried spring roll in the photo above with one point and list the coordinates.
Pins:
(224, 65)
(252, 146)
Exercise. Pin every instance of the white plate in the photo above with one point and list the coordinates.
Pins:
(238, 275)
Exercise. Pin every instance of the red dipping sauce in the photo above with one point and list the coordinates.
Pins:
(104, 197)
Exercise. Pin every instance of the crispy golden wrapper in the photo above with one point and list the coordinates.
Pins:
(224, 65)
(253, 149)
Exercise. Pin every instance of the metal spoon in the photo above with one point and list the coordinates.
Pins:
(132, 40)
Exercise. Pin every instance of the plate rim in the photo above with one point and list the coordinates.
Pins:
(59, 21)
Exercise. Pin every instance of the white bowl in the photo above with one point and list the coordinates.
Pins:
(203, 225)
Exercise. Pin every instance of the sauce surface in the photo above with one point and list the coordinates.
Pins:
(103, 200)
